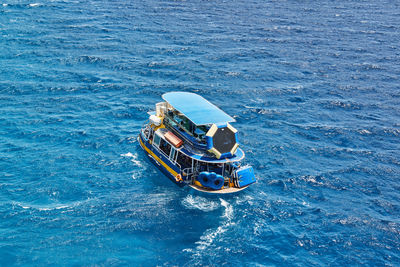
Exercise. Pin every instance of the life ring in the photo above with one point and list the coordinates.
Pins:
(178, 178)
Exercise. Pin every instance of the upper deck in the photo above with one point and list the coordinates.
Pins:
(196, 154)
(197, 109)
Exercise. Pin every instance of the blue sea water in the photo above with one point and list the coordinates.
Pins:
(314, 87)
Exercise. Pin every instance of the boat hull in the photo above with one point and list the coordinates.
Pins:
(230, 190)
(173, 172)
(160, 161)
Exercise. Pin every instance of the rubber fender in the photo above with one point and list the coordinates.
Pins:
(217, 182)
(204, 179)
(212, 176)
(211, 180)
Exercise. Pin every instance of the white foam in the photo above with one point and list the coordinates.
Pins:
(129, 154)
(247, 199)
(44, 207)
(133, 158)
(134, 176)
(364, 131)
(257, 229)
(199, 203)
(233, 74)
(34, 4)
(228, 213)
(210, 235)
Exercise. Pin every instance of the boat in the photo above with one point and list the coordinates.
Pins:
(194, 144)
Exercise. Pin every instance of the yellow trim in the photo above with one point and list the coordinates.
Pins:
(158, 127)
(215, 152)
(230, 127)
(174, 173)
(198, 183)
(212, 130)
(233, 150)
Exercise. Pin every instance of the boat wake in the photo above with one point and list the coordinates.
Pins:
(199, 203)
(210, 236)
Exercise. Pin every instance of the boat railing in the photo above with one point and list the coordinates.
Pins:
(147, 131)
(177, 164)
(188, 171)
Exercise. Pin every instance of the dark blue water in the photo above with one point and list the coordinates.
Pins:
(315, 89)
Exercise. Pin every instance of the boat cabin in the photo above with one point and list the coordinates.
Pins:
(195, 143)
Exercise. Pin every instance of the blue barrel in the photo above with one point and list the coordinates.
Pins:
(204, 179)
(217, 182)
(211, 180)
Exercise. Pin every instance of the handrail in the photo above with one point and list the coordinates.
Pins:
(188, 171)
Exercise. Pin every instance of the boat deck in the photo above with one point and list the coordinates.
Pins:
(222, 191)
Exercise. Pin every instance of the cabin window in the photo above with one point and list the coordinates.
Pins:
(156, 140)
(183, 160)
(169, 122)
(146, 132)
(172, 156)
(149, 133)
(202, 166)
(165, 147)
(215, 167)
